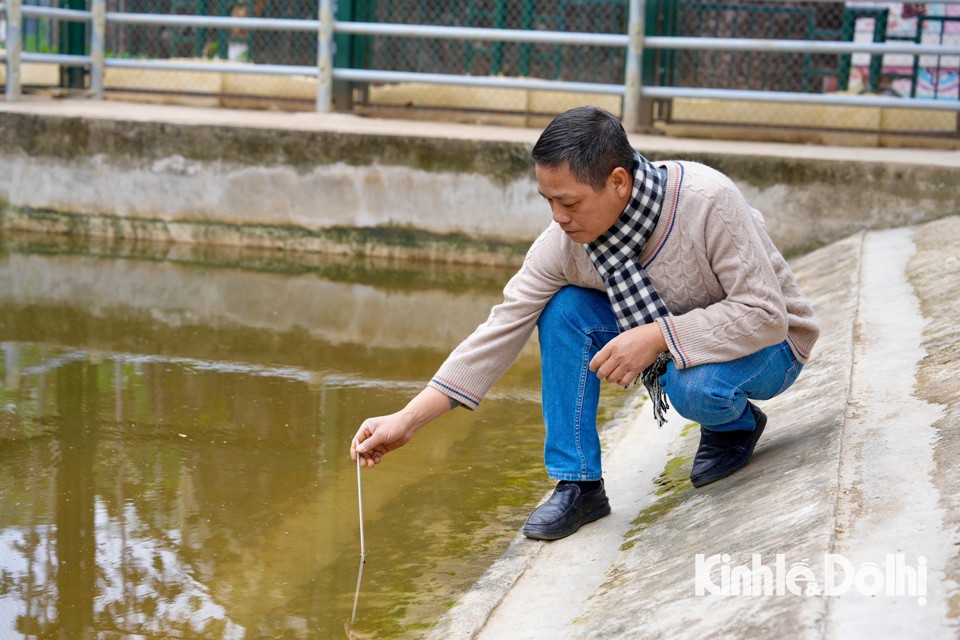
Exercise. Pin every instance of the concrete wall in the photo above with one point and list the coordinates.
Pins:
(382, 192)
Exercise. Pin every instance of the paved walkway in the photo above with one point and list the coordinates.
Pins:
(853, 487)
(339, 122)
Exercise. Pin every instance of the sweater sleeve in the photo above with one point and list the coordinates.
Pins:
(752, 314)
(485, 355)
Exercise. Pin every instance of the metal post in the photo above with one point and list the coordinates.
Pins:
(631, 81)
(73, 41)
(325, 57)
(526, 49)
(14, 26)
(97, 56)
(348, 50)
(499, 21)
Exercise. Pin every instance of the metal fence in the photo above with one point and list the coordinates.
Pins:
(660, 62)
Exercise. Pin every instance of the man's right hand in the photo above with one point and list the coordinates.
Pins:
(378, 436)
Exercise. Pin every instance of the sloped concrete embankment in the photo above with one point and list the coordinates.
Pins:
(855, 467)
(934, 274)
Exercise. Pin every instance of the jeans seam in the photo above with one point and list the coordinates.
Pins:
(584, 372)
(578, 419)
(573, 314)
(756, 372)
(786, 376)
(601, 328)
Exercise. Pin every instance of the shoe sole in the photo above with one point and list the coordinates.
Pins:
(593, 516)
(758, 431)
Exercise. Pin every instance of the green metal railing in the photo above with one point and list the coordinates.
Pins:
(729, 75)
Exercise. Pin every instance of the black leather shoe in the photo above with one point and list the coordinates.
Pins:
(566, 511)
(723, 452)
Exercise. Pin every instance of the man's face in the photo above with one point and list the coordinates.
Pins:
(582, 212)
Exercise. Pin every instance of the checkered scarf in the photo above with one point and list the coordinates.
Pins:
(616, 256)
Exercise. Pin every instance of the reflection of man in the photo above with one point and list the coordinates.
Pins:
(660, 272)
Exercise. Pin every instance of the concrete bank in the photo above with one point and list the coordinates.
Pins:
(440, 191)
(845, 524)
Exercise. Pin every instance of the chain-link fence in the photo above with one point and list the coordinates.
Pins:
(927, 76)
(555, 62)
(904, 75)
(41, 35)
(238, 44)
(52, 35)
(390, 53)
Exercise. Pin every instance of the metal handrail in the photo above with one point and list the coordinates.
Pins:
(634, 42)
(72, 15)
(796, 46)
(792, 97)
(63, 59)
(481, 33)
(532, 84)
(216, 67)
(216, 22)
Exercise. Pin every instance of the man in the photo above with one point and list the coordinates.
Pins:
(660, 272)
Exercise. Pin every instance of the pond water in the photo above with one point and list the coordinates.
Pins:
(174, 434)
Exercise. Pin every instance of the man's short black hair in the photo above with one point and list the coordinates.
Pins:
(591, 139)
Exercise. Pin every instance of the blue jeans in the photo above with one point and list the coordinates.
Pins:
(577, 323)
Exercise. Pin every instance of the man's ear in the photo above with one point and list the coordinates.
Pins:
(622, 182)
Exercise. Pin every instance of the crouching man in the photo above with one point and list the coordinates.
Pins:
(654, 272)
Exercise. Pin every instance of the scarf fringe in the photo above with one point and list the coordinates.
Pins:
(651, 380)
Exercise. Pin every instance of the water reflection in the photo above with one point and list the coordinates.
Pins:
(173, 437)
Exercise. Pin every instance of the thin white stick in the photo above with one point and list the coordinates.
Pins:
(363, 551)
(356, 594)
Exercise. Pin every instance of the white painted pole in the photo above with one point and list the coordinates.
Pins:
(98, 34)
(325, 57)
(632, 73)
(14, 47)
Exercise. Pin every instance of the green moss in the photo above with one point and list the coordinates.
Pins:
(411, 238)
(672, 483)
(359, 242)
(675, 476)
(688, 428)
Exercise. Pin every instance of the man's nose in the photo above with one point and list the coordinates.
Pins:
(559, 216)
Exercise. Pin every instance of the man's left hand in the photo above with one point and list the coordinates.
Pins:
(626, 356)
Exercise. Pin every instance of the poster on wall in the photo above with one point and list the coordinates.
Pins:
(936, 76)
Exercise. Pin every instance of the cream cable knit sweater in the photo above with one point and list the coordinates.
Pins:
(729, 290)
